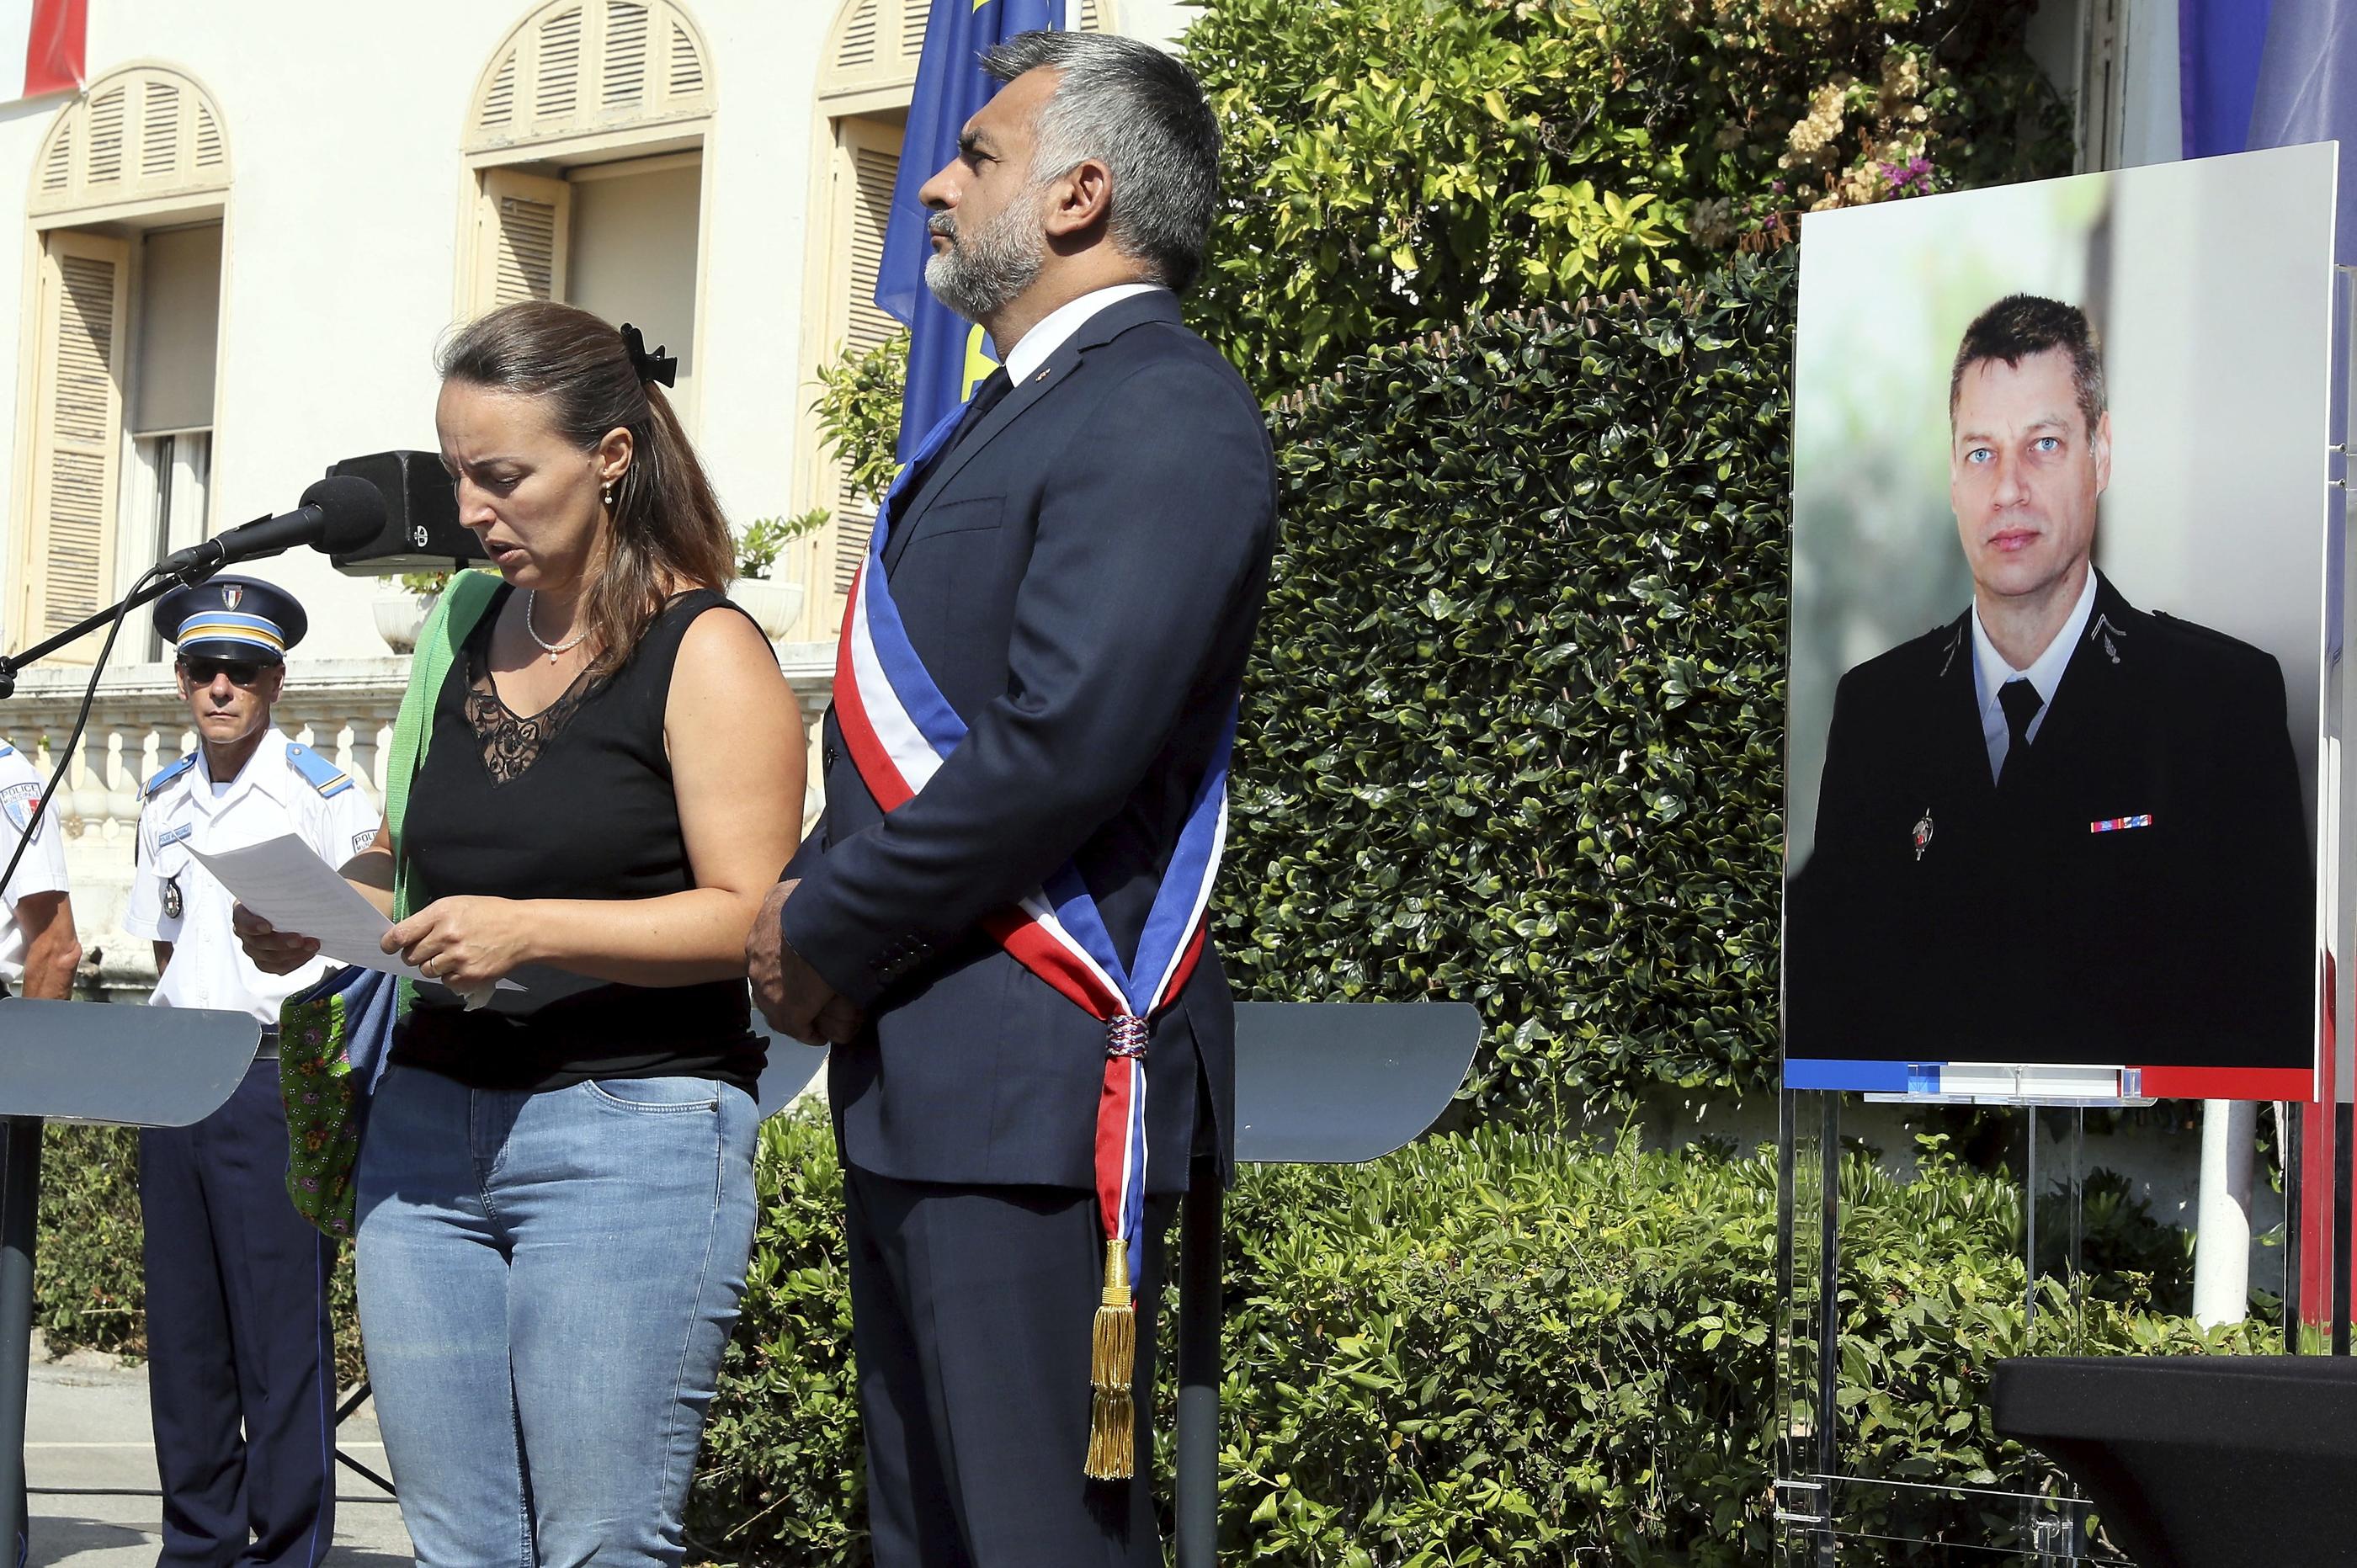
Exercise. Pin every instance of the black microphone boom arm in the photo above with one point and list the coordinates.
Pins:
(189, 576)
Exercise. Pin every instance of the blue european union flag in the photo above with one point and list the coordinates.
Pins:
(948, 356)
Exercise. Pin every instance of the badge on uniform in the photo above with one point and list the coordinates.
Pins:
(1924, 832)
(2120, 824)
(172, 902)
(18, 803)
(2105, 629)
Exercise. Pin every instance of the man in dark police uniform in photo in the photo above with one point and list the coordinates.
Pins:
(1078, 566)
(2058, 829)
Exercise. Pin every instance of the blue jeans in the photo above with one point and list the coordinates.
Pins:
(546, 1284)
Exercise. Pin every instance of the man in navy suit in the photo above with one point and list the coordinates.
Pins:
(2058, 829)
(1079, 568)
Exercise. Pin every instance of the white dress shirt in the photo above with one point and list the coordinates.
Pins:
(43, 869)
(269, 797)
(1990, 672)
(1031, 350)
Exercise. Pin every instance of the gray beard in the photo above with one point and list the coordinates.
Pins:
(982, 273)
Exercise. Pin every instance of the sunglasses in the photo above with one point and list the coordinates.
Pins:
(241, 671)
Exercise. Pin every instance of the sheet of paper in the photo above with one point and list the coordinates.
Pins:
(283, 881)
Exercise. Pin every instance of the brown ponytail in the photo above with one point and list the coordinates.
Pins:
(666, 531)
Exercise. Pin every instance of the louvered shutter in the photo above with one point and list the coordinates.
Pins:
(854, 49)
(523, 231)
(870, 161)
(583, 67)
(78, 437)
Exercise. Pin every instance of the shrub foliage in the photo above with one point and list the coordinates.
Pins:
(1396, 166)
(1512, 733)
(90, 1290)
(1493, 1348)
(1487, 1348)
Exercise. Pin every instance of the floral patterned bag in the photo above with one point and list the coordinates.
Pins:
(334, 1038)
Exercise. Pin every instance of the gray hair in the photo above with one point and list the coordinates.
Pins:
(1140, 113)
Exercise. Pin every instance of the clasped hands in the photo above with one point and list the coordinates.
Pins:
(464, 943)
(794, 998)
(469, 943)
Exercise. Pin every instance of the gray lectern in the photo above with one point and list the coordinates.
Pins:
(1317, 1083)
(788, 1071)
(82, 1061)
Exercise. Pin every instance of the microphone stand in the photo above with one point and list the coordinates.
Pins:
(154, 586)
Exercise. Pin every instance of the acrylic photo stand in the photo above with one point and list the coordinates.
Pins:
(1846, 1490)
(1840, 1496)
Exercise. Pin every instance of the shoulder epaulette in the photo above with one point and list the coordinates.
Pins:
(7, 750)
(322, 774)
(166, 777)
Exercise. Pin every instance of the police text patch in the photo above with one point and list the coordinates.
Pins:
(18, 803)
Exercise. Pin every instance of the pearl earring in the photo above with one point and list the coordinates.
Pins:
(609, 492)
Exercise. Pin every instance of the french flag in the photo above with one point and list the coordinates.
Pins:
(48, 35)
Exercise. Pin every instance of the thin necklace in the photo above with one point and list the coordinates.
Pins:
(550, 648)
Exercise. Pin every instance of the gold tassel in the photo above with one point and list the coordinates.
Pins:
(1112, 1363)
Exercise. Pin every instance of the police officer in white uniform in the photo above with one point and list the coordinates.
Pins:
(242, 1381)
(39, 951)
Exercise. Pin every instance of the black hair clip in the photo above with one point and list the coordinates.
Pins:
(655, 367)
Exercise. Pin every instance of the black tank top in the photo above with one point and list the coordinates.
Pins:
(572, 803)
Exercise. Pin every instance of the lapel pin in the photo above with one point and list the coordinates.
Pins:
(1924, 832)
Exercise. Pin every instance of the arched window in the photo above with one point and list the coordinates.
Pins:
(586, 136)
(579, 69)
(128, 197)
(868, 72)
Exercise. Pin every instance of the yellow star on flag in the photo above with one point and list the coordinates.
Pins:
(978, 364)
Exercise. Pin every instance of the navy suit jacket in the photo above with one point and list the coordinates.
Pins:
(1080, 575)
(1944, 917)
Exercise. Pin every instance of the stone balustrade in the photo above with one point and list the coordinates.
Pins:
(341, 708)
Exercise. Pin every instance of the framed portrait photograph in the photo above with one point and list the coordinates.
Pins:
(2062, 613)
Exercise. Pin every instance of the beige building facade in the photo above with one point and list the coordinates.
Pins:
(241, 243)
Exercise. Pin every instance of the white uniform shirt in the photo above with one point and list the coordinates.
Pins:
(283, 789)
(43, 869)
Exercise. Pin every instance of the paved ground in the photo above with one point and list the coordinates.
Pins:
(86, 1429)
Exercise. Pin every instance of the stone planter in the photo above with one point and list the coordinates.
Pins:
(401, 615)
(774, 606)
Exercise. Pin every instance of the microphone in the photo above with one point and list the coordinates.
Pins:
(338, 513)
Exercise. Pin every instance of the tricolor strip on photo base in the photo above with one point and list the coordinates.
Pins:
(1923, 1080)
(49, 37)
(899, 730)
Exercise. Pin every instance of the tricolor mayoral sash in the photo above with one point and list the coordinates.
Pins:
(900, 730)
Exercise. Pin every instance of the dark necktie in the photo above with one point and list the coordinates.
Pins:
(2021, 702)
(995, 386)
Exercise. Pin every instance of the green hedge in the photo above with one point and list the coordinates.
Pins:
(89, 1290)
(1491, 1348)
(1393, 166)
(1513, 734)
